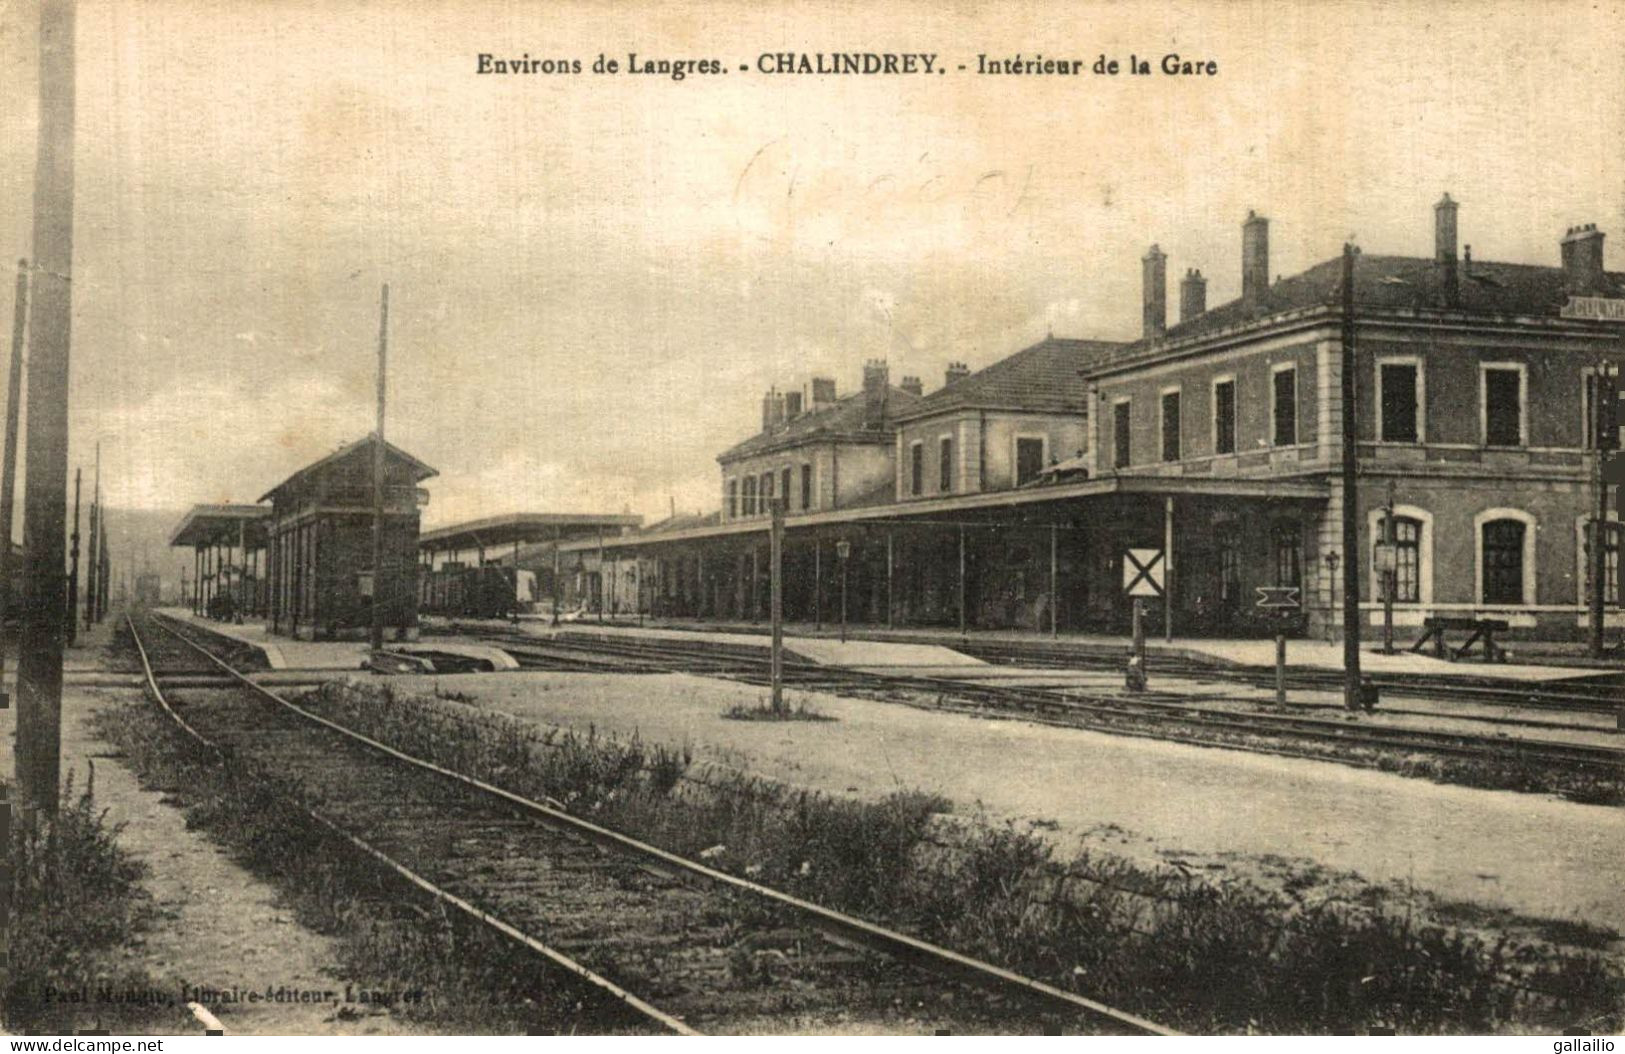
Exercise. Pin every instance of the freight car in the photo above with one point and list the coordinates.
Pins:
(476, 592)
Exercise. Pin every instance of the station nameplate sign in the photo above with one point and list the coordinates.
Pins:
(1283, 598)
(1600, 308)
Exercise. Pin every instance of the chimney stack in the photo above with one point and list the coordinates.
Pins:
(792, 405)
(955, 371)
(1582, 261)
(823, 392)
(876, 380)
(1255, 259)
(1192, 295)
(1444, 248)
(912, 385)
(767, 411)
(1154, 294)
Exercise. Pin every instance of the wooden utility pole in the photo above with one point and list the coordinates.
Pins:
(1389, 574)
(72, 613)
(8, 473)
(776, 569)
(39, 667)
(1351, 526)
(377, 638)
(1605, 429)
(94, 553)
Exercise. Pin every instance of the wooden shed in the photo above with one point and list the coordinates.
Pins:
(322, 580)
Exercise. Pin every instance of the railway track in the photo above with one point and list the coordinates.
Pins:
(1168, 712)
(661, 939)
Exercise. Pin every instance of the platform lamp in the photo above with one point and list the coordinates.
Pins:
(1332, 560)
(843, 549)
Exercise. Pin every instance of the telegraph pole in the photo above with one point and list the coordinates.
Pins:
(378, 481)
(1604, 425)
(1351, 527)
(8, 473)
(776, 566)
(93, 577)
(1389, 572)
(39, 668)
(73, 567)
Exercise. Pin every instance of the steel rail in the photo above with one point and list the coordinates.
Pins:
(1157, 709)
(845, 927)
(557, 958)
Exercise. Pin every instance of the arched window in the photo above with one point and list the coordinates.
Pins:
(1501, 558)
(1287, 542)
(1407, 557)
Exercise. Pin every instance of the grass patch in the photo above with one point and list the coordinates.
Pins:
(1202, 955)
(763, 710)
(76, 898)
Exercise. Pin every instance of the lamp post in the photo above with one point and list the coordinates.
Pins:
(1331, 580)
(843, 549)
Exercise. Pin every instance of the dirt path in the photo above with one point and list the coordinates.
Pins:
(217, 926)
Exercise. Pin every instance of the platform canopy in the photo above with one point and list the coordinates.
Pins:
(221, 525)
(523, 528)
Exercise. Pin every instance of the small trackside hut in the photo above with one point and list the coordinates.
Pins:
(322, 582)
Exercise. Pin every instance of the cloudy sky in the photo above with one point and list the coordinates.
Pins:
(594, 278)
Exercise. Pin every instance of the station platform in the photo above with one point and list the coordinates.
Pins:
(925, 646)
(286, 653)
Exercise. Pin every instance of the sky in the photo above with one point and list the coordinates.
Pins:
(594, 278)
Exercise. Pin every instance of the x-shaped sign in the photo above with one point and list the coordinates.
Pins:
(1143, 572)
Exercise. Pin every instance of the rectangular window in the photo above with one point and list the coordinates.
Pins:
(750, 496)
(1029, 460)
(945, 466)
(806, 486)
(764, 497)
(1599, 420)
(916, 468)
(784, 488)
(1503, 406)
(1397, 384)
(1285, 407)
(733, 498)
(1224, 417)
(1170, 426)
(1120, 435)
(1288, 542)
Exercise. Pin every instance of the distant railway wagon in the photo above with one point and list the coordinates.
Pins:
(148, 589)
(476, 592)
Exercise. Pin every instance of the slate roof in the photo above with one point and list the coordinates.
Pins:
(843, 418)
(1042, 378)
(1399, 283)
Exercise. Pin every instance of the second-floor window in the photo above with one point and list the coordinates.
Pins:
(1397, 387)
(1285, 410)
(750, 496)
(1170, 426)
(733, 498)
(784, 488)
(916, 468)
(1224, 417)
(806, 486)
(945, 465)
(1502, 405)
(1121, 436)
(764, 499)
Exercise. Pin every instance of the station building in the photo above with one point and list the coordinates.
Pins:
(1008, 497)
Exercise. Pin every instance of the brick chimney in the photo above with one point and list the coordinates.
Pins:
(1192, 295)
(1255, 259)
(792, 405)
(767, 411)
(1444, 249)
(1582, 261)
(876, 381)
(912, 385)
(823, 392)
(1154, 294)
(955, 371)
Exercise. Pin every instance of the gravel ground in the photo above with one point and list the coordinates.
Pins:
(215, 925)
(1227, 811)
